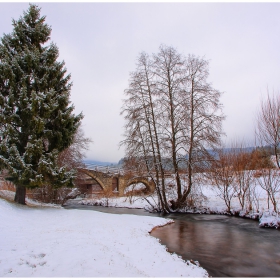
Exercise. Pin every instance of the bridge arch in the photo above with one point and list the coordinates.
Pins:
(116, 181)
(96, 178)
(148, 184)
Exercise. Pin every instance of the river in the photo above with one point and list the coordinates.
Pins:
(225, 246)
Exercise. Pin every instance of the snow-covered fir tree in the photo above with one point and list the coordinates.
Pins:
(36, 116)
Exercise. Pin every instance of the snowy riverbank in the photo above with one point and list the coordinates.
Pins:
(49, 242)
(210, 204)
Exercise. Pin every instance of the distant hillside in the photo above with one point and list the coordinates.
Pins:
(245, 149)
(168, 165)
(168, 162)
(103, 163)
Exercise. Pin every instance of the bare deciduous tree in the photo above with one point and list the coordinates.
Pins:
(221, 175)
(243, 174)
(268, 124)
(72, 159)
(141, 130)
(270, 182)
(202, 118)
(255, 194)
(172, 116)
(268, 134)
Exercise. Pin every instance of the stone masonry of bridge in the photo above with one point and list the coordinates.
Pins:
(116, 181)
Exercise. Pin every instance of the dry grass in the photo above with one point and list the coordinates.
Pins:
(7, 186)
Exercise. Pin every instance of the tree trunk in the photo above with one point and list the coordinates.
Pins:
(182, 198)
(20, 195)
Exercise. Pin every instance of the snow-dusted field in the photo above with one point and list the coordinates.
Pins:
(50, 242)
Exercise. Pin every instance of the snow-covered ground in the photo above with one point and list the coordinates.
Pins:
(10, 195)
(54, 242)
(210, 202)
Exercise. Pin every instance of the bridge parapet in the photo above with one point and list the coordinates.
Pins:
(115, 179)
(105, 169)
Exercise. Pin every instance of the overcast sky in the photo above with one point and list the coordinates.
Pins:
(100, 42)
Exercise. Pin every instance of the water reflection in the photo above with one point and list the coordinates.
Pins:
(225, 246)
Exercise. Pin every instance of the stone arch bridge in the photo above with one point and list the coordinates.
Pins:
(111, 178)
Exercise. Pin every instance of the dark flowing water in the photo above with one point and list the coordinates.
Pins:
(225, 246)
